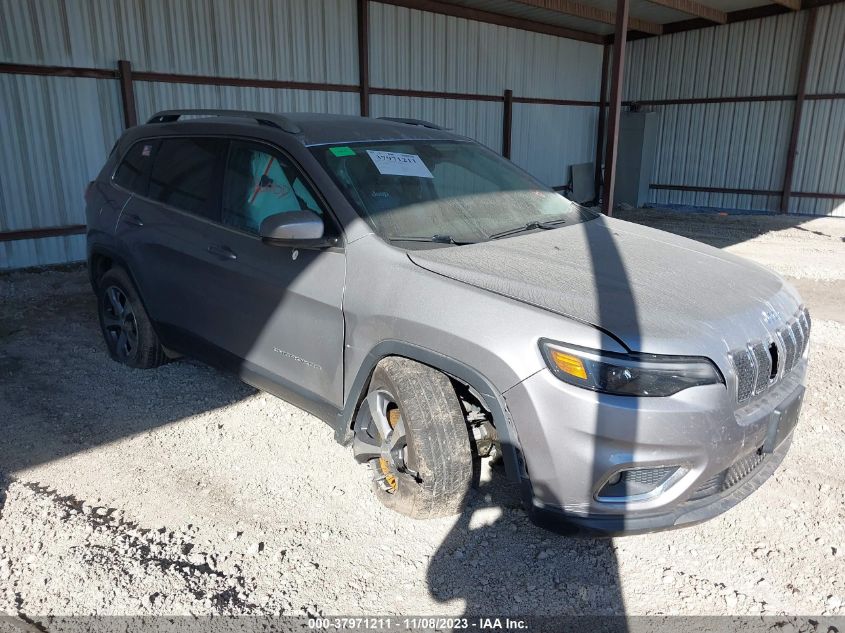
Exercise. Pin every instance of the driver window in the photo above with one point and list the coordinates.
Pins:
(259, 183)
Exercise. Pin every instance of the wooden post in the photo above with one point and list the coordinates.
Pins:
(364, 55)
(605, 62)
(507, 124)
(792, 150)
(620, 39)
(127, 93)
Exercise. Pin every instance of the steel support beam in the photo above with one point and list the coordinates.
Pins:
(364, 55)
(801, 95)
(507, 124)
(127, 93)
(36, 234)
(620, 40)
(605, 63)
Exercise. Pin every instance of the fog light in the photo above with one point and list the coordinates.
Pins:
(636, 484)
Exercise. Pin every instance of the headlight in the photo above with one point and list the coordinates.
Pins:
(628, 374)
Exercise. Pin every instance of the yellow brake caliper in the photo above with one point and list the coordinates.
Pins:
(389, 477)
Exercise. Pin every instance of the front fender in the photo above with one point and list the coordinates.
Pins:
(493, 400)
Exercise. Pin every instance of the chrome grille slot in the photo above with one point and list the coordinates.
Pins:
(745, 374)
(804, 320)
(788, 342)
(763, 362)
(798, 334)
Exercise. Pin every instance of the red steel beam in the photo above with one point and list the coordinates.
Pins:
(364, 55)
(792, 149)
(620, 40)
(34, 234)
(507, 123)
(127, 93)
(605, 62)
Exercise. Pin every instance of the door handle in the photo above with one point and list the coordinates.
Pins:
(133, 219)
(223, 252)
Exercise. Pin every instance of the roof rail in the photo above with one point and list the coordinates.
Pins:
(263, 118)
(419, 122)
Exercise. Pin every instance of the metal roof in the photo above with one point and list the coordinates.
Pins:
(580, 15)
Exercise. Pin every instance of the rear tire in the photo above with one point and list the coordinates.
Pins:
(126, 327)
(427, 471)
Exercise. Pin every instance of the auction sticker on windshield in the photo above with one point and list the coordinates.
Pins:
(398, 164)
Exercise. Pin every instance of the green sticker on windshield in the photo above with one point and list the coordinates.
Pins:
(342, 151)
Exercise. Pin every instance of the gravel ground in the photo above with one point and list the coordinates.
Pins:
(184, 491)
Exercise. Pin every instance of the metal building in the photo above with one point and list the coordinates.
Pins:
(750, 95)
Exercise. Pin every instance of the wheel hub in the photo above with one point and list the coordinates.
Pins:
(380, 439)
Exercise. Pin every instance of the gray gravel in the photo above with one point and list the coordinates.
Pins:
(183, 491)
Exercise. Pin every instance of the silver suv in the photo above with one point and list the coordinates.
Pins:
(437, 305)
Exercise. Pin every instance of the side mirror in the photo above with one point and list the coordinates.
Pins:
(302, 229)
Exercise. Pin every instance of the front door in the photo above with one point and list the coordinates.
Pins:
(278, 309)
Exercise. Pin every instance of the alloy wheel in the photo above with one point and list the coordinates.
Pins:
(119, 323)
(381, 440)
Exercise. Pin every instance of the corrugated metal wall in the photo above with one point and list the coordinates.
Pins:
(54, 133)
(297, 40)
(820, 164)
(743, 145)
(727, 145)
(416, 50)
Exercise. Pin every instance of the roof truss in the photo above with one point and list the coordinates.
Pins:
(587, 12)
(696, 8)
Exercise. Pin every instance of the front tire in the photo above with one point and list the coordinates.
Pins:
(126, 327)
(412, 432)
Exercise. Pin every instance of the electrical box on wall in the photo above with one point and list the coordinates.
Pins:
(635, 162)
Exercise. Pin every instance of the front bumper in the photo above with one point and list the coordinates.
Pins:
(574, 440)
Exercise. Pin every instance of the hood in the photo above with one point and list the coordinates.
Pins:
(654, 291)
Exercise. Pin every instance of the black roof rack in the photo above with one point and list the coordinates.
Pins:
(263, 118)
(419, 122)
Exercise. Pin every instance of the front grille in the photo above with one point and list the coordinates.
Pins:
(756, 367)
(742, 468)
(730, 477)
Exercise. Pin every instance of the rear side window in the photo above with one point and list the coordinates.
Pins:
(134, 171)
(184, 175)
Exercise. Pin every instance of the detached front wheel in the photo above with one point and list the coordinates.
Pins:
(410, 429)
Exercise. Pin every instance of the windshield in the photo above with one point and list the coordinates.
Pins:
(450, 192)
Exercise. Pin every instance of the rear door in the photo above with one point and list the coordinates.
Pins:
(166, 231)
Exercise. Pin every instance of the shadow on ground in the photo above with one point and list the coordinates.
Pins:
(62, 394)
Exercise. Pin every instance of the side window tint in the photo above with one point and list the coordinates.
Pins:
(183, 174)
(134, 171)
(259, 183)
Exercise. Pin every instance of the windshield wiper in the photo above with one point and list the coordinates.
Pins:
(438, 239)
(529, 226)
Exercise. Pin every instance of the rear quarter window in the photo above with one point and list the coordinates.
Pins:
(184, 174)
(133, 173)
